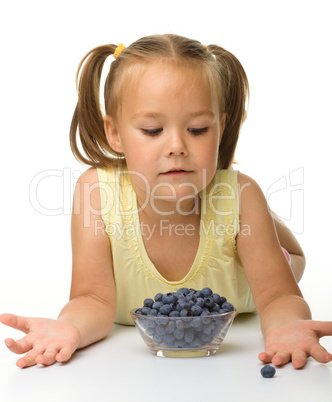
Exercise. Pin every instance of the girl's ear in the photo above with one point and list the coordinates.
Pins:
(112, 134)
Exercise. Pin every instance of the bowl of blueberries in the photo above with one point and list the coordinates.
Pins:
(185, 323)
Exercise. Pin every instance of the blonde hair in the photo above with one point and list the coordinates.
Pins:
(222, 69)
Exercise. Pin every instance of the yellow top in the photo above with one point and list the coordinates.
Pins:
(216, 264)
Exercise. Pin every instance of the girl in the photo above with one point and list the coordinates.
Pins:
(161, 208)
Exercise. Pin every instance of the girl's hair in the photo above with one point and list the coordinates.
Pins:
(222, 69)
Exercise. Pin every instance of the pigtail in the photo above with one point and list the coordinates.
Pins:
(88, 119)
(236, 91)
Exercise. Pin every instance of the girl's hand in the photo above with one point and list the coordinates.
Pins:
(295, 342)
(46, 342)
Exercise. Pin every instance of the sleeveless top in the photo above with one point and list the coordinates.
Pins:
(216, 264)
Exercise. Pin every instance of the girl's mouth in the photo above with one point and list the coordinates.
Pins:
(177, 172)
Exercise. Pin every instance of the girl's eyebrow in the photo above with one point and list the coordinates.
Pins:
(205, 112)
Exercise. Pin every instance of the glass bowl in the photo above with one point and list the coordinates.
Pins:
(183, 336)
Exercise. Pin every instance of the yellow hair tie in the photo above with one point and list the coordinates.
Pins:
(118, 50)
(206, 47)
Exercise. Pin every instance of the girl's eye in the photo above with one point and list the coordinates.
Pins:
(198, 131)
(152, 131)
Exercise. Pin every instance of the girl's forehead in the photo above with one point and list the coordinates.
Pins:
(167, 89)
(165, 75)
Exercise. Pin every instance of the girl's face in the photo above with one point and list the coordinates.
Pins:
(169, 129)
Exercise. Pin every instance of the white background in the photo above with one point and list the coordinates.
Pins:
(285, 49)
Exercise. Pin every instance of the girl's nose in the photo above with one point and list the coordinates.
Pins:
(176, 145)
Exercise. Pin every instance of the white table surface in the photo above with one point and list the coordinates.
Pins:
(121, 368)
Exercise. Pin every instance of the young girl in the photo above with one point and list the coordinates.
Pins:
(161, 207)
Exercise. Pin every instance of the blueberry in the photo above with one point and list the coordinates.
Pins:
(148, 303)
(215, 308)
(196, 323)
(174, 313)
(179, 324)
(222, 300)
(158, 338)
(156, 305)
(153, 312)
(198, 294)
(186, 312)
(190, 297)
(227, 306)
(268, 371)
(200, 301)
(183, 291)
(168, 298)
(145, 310)
(138, 311)
(207, 292)
(216, 298)
(196, 310)
(189, 335)
(165, 309)
(182, 305)
(206, 338)
(170, 327)
(169, 339)
(158, 297)
(178, 333)
(162, 319)
(209, 302)
(150, 323)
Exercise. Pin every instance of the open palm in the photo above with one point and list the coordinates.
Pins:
(295, 342)
(46, 340)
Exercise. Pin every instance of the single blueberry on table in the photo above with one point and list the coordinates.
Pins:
(268, 371)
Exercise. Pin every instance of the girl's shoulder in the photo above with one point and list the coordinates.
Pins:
(252, 199)
(246, 181)
(89, 176)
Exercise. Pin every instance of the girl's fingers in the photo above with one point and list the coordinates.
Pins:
(47, 358)
(281, 358)
(18, 347)
(15, 321)
(319, 353)
(65, 354)
(265, 357)
(322, 328)
(299, 358)
(29, 359)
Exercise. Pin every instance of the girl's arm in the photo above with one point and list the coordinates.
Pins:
(289, 242)
(90, 313)
(93, 295)
(285, 316)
